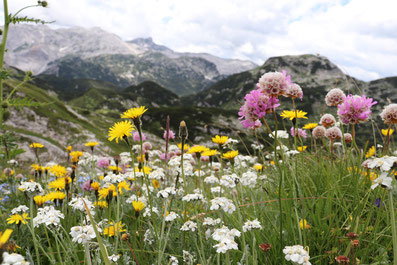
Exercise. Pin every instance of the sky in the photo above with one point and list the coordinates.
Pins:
(360, 36)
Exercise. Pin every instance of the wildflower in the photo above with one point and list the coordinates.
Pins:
(173, 261)
(230, 155)
(384, 163)
(136, 137)
(383, 180)
(20, 209)
(310, 126)
(81, 203)
(348, 137)
(138, 206)
(36, 145)
(223, 203)
(229, 181)
(386, 132)
(342, 260)
(301, 148)
(188, 258)
(274, 84)
(225, 237)
(185, 147)
(30, 186)
(334, 97)
(303, 224)
(221, 140)
(40, 200)
(265, 247)
(280, 134)
(114, 258)
(192, 197)
(258, 167)
(58, 184)
(249, 225)
(114, 229)
(4, 237)
(208, 221)
(249, 179)
(370, 152)
(389, 114)
(352, 235)
(298, 132)
(76, 155)
(145, 170)
(83, 234)
(256, 106)
(103, 162)
(210, 152)
(69, 149)
(197, 149)
(120, 130)
(171, 135)
(333, 133)
(48, 216)
(134, 113)
(294, 91)
(171, 216)
(91, 144)
(292, 114)
(189, 226)
(297, 255)
(58, 170)
(13, 258)
(17, 219)
(327, 120)
(101, 204)
(355, 109)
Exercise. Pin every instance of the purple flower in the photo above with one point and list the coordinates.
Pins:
(255, 107)
(355, 109)
(171, 135)
(86, 186)
(136, 137)
(298, 132)
(103, 162)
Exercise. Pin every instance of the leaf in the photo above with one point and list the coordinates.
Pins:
(4, 75)
(27, 19)
(19, 103)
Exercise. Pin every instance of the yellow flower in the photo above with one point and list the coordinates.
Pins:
(103, 193)
(114, 229)
(310, 126)
(95, 185)
(185, 147)
(114, 168)
(146, 169)
(57, 195)
(17, 218)
(371, 152)
(258, 167)
(36, 145)
(40, 200)
(197, 149)
(301, 148)
(220, 139)
(123, 185)
(210, 152)
(119, 130)
(292, 114)
(156, 183)
(37, 167)
(101, 204)
(386, 131)
(69, 149)
(134, 113)
(76, 155)
(58, 184)
(91, 144)
(4, 237)
(58, 171)
(138, 206)
(303, 223)
(230, 155)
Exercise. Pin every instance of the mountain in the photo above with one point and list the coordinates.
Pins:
(79, 53)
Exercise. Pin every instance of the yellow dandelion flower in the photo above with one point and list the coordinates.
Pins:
(210, 152)
(123, 186)
(387, 131)
(37, 167)
(258, 167)
(272, 163)
(197, 149)
(36, 145)
(220, 139)
(292, 114)
(134, 113)
(114, 168)
(58, 184)
(69, 149)
(310, 126)
(56, 195)
(156, 183)
(101, 204)
(5, 236)
(301, 148)
(145, 169)
(95, 185)
(58, 170)
(76, 155)
(120, 130)
(230, 155)
(114, 229)
(17, 219)
(371, 152)
(103, 193)
(138, 206)
(303, 224)
(91, 144)
(40, 200)
(185, 147)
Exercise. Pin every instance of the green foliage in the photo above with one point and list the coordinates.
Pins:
(26, 19)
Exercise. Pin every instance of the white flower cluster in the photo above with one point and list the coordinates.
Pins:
(173, 261)
(20, 209)
(229, 181)
(171, 217)
(83, 234)
(88, 159)
(148, 237)
(297, 255)
(147, 211)
(48, 216)
(157, 174)
(125, 158)
(211, 180)
(216, 189)
(189, 226)
(114, 178)
(224, 203)
(249, 179)
(78, 204)
(188, 258)
(211, 222)
(193, 197)
(13, 259)
(384, 163)
(280, 134)
(114, 258)
(133, 197)
(225, 237)
(249, 225)
(30, 186)
(383, 180)
(165, 193)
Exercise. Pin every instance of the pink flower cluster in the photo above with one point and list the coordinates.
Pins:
(298, 132)
(355, 109)
(171, 135)
(274, 84)
(136, 138)
(256, 105)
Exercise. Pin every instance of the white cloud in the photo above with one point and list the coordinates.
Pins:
(358, 35)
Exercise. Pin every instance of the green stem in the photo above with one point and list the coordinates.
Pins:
(36, 248)
(393, 227)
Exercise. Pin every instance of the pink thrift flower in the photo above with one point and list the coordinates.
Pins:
(298, 132)
(389, 114)
(355, 109)
(171, 135)
(86, 186)
(334, 97)
(255, 107)
(318, 132)
(103, 162)
(136, 137)
(294, 91)
(274, 84)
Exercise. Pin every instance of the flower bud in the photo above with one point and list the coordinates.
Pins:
(125, 237)
(183, 133)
